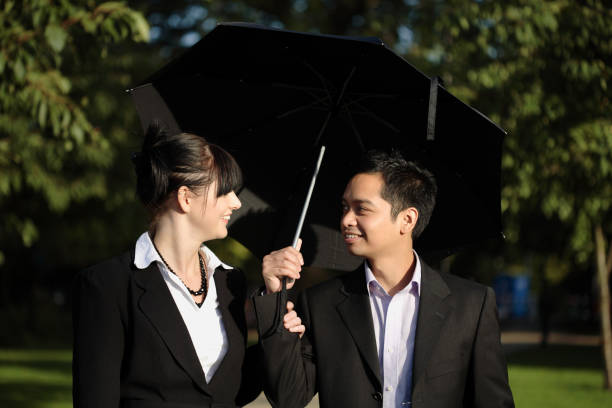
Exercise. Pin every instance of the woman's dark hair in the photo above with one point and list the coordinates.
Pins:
(405, 185)
(167, 162)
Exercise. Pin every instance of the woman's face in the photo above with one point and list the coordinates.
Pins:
(215, 212)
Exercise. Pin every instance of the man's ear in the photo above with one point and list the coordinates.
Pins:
(184, 199)
(408, 220)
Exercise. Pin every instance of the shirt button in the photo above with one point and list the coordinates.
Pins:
(390, 350)
(388, 388)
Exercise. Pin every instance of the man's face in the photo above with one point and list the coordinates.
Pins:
(366, 223)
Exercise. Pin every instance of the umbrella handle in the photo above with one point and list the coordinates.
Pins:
(281, 307)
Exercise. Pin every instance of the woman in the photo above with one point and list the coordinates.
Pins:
(163, 325)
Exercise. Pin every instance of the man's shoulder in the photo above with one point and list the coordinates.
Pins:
(325, 287)
(457, 285)
(463, 284)
(335, 285)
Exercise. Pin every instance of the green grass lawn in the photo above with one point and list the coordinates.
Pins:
(35, 379)
(559, 376)
(556, 377)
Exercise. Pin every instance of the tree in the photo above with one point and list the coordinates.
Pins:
(542, 70)
(50, 149)
(57, 139)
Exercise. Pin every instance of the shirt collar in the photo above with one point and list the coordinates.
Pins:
(415, 282)
(145, 254)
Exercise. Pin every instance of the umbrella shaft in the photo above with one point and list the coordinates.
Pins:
(307, 201)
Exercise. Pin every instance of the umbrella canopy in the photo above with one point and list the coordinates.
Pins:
(273, 97)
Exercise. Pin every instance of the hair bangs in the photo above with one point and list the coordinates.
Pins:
(226, 171)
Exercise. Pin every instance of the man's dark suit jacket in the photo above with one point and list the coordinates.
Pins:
(132, 348)
(458, 359)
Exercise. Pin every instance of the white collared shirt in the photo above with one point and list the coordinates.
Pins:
(204, 323)
(395, 320)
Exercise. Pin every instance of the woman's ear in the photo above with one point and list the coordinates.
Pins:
(408, 220)
(184, 199)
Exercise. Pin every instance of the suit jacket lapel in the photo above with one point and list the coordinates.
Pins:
(157, 304)
(434, 308)
(225, 297)
(227, 305)
(356, 314)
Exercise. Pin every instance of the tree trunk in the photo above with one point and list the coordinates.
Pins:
(604, 303)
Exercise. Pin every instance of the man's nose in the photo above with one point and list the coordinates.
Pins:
(348, 219)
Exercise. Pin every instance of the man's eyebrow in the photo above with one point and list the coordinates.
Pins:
(364, 201)
(358, 201)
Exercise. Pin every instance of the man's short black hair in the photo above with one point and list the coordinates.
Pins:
(405, 185)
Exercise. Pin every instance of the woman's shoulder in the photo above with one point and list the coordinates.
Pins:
(113, 271)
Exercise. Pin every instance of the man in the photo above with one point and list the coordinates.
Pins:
(394, 332)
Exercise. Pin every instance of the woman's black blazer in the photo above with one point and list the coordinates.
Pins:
(132, 348)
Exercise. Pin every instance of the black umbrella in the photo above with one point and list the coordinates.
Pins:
(274, 97)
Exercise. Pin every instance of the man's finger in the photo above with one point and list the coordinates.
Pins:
(293, 322)
(298, 329)
(298, 246)
(290, 316)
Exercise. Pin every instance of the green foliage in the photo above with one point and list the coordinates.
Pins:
(50, 150)
(541, 70)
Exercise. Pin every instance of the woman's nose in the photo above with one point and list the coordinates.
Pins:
(235, 202)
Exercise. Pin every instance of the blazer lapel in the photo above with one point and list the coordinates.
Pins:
(356, 314)
(434, 309)
(157, 304)
(226, 297)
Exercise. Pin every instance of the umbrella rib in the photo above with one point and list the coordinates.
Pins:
(327, 118)
(355, 130)
(311, 105)
(320, 77)
(312, 92)
(346, 82)
(336, 104)
(300, 88)
(374, 116)
(368, 96)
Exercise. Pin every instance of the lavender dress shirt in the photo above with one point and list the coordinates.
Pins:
(395, 320)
